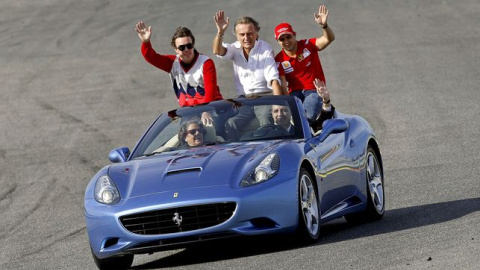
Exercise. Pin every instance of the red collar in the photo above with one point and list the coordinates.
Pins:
(186, 67)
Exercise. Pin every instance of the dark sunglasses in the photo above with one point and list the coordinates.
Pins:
(182, 47)
(195, 130)
(285, 37)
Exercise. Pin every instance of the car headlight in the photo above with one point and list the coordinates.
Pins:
(264, 171)
(105, 191)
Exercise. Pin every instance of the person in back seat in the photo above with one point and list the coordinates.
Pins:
(193, 75)
(328, 111)
(299, 63)
(254, 68)
(282, 115)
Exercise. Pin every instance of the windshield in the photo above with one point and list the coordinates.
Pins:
(226, 121)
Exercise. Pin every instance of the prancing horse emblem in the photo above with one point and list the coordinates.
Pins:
(177, 219)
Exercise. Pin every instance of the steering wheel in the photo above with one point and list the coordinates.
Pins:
(266, 129)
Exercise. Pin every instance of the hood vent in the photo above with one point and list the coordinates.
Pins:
(195, 169)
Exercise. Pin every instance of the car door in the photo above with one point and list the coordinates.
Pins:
(335, 172)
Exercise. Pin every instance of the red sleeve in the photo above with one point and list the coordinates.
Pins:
(163, 62)
(313, 47)
(210, 82)
(312, 44)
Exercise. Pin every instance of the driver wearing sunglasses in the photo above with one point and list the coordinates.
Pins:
(193, 75)
(191, 134)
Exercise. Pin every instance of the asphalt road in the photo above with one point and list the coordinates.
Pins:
(74, 86)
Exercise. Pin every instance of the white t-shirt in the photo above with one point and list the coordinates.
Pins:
(255, 75)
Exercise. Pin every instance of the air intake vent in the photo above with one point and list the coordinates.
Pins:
(179, 219)
(197, 169)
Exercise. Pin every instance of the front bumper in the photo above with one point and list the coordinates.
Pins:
(270, 207)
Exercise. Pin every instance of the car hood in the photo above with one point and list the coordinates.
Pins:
(188, 169)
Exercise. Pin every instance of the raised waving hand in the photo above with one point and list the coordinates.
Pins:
(322, 15)
(322, 90)
(144, 32)
(221, 22)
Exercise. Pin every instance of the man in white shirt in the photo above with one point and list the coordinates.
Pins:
(255, 70)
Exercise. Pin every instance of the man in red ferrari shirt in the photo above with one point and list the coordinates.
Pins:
(193, 74)
(299, 64)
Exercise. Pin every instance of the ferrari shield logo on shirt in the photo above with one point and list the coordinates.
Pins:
(304, 55)
(287, 67)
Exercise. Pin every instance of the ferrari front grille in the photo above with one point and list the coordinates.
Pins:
(180, 219)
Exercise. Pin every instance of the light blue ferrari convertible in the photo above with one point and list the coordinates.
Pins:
(231, 168)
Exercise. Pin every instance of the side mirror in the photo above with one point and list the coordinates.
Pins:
(332, 126)
(119, 154)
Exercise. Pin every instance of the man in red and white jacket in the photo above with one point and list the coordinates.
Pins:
(193, 74)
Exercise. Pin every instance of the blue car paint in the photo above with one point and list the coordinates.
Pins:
(212, 174)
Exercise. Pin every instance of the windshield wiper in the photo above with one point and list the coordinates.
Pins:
(168, 149)
(268, 138)
(152, 154)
